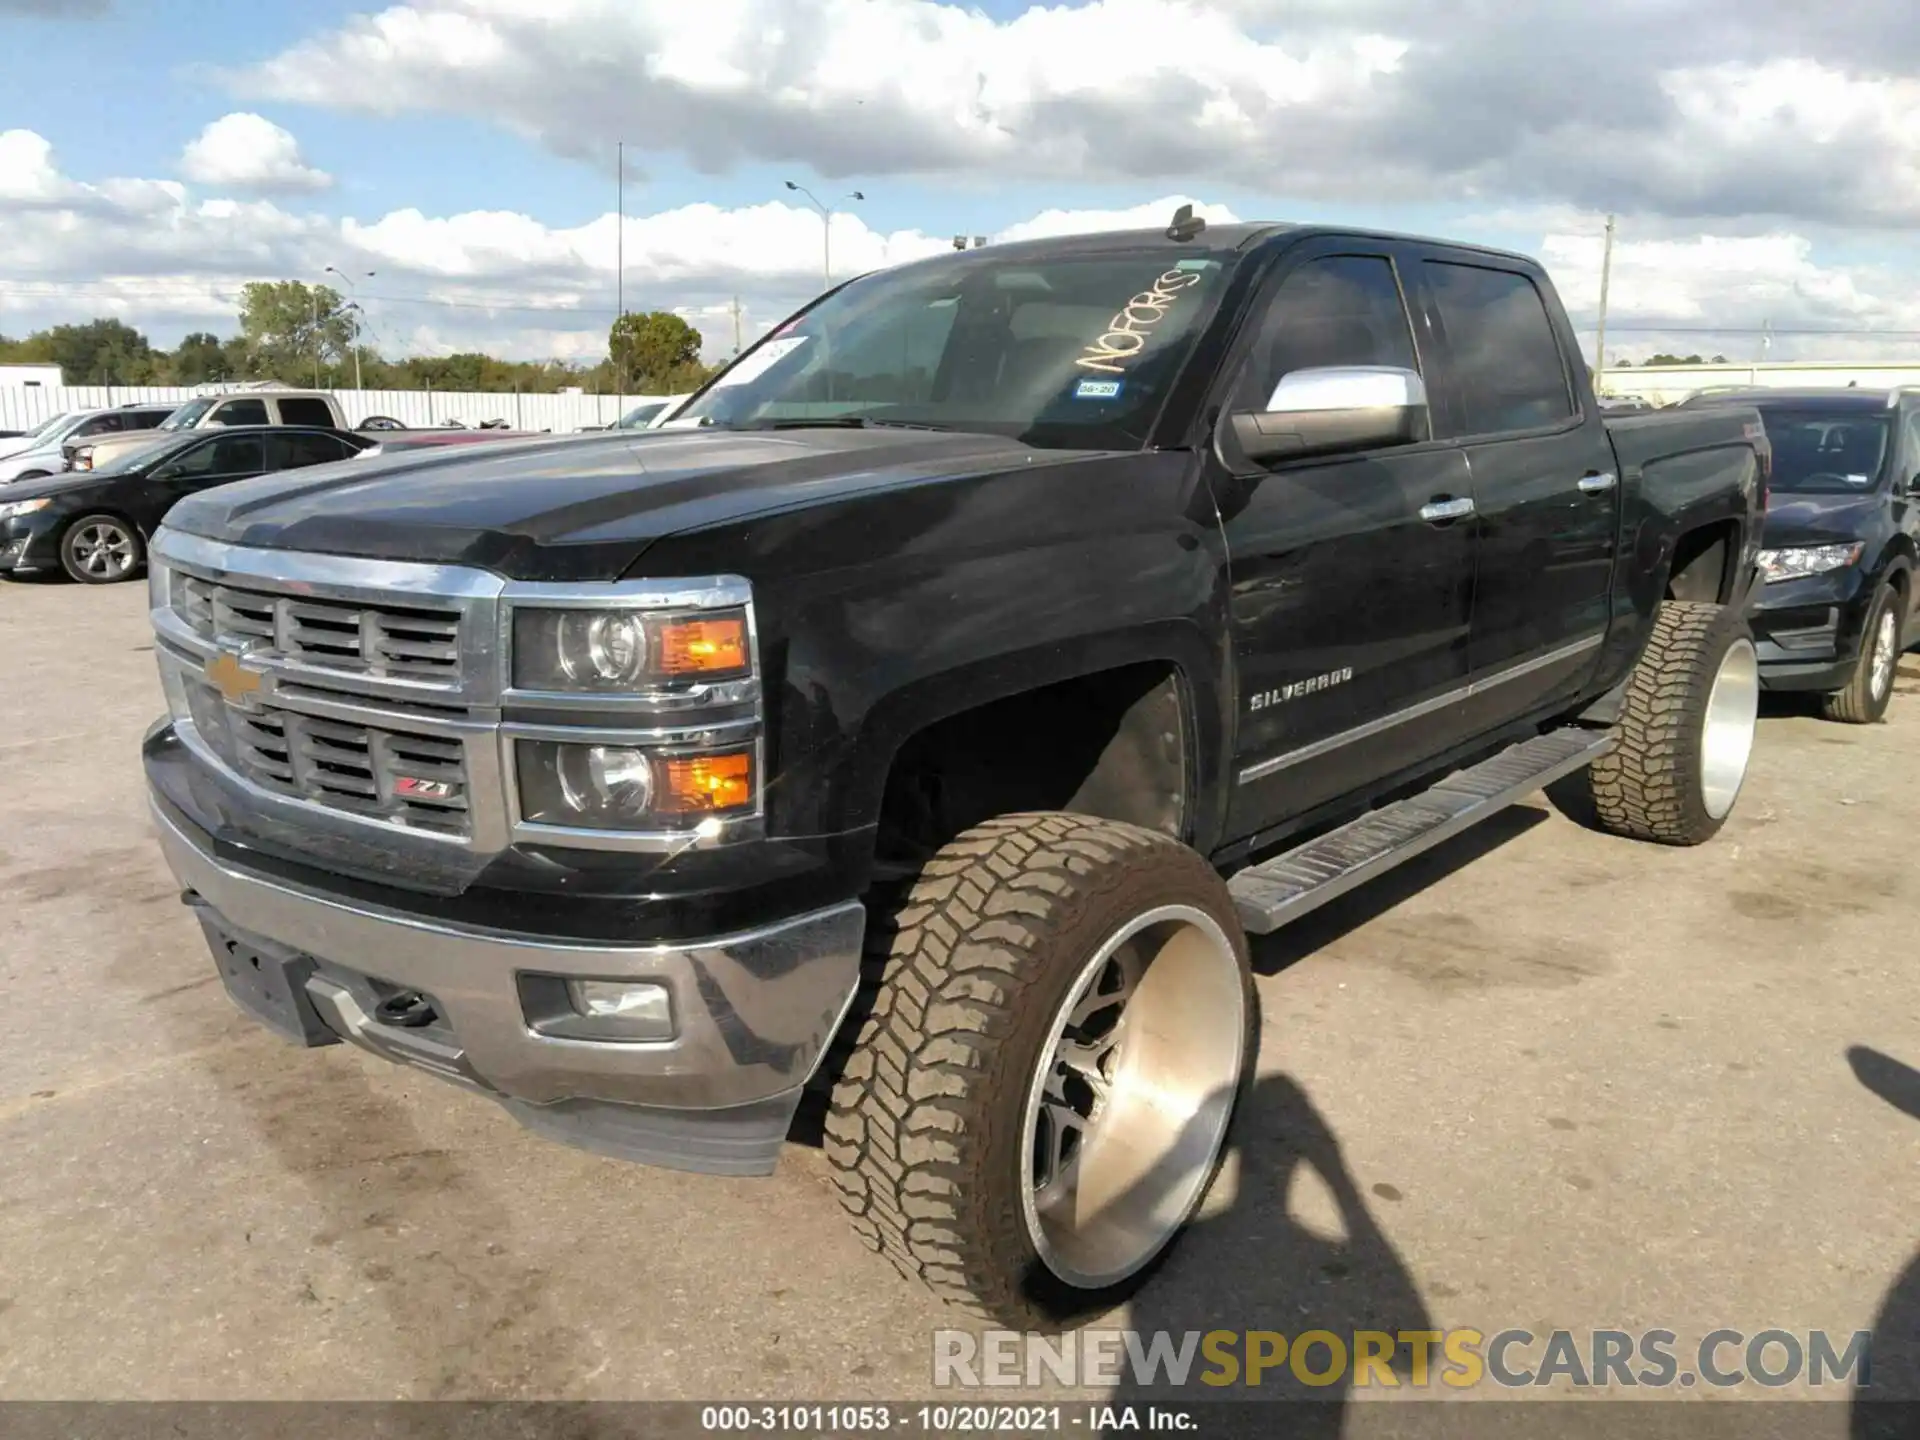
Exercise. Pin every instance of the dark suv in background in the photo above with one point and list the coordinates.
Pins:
(1843, 529)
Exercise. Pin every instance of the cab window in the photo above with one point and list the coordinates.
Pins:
(1337, 310)
(1507, 366)
(229, 455)
(242, 412)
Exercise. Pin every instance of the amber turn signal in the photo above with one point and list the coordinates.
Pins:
(701, 784)
(701, 647)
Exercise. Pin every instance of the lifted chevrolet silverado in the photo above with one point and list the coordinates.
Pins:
(924, 717)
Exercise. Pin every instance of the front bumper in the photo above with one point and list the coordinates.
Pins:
(753, 1011)
(25, 545)
(1807, 632)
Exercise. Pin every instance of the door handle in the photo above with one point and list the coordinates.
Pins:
(1443, 508)
(1597, 483)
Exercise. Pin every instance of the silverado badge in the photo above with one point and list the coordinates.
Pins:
(1268, 698)
(234, 681)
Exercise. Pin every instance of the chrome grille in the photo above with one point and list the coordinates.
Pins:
(403, 778)
(401, 641)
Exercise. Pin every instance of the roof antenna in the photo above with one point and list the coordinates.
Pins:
(1185, 224)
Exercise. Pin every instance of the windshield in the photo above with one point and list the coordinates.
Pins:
(188, 414)
(1066, 351)
(137, 457)
(44, 427)
(1824, 453)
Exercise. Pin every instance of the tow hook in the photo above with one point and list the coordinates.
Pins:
(409, 1009)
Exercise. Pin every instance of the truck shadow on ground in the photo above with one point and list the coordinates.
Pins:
(1892, 1402)
(1297, 1249)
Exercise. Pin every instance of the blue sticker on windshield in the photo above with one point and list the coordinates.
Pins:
(1097, 390)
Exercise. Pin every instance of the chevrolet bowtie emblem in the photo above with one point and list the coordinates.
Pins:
(232, 679)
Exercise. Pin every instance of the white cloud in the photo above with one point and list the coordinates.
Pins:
(169, 260)
(249, 152)
(1758, 107)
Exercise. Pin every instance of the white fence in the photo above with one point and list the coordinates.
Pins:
(22, 407)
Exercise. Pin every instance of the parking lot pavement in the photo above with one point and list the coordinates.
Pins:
(1574, 1083)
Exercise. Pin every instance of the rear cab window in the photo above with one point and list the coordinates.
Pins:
(304, 410)
(1508, 372)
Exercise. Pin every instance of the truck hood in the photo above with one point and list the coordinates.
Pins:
(579, 507)
(1820, 519)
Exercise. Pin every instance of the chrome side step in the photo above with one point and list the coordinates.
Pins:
(1286, 887)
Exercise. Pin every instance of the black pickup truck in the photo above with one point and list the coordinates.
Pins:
(924, 718)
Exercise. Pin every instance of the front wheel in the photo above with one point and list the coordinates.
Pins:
(1686, 729)
(100, 550)
(1061, 1026)
(1866, 696)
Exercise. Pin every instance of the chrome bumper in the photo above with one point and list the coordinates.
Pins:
(753, 1012)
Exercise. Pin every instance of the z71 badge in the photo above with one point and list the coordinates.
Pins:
(1269, 698)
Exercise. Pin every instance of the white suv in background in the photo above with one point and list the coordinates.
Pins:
(40, 449)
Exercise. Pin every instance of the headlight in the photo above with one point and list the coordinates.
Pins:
(1803, 560)
(23, 507)
(620, 787)
(613, 651)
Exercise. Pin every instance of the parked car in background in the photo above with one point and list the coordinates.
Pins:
(45, 452)
(95, 525)
(1842, 533)
(312, 408)
(642, 415)
(668, 410)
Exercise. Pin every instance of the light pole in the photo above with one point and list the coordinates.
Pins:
(826, 230)
(347, 280)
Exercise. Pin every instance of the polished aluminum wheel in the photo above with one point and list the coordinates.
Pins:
(1886, 653)
(1726, 735)
(1127, 1112)
(102, 549)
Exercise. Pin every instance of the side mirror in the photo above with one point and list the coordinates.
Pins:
(166, 472)
(1333, 410)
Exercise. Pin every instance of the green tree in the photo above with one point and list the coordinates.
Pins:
(654, 352)
(100, 352)
(200, 358)
(291, 329)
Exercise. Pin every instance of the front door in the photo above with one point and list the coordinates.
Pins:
(1350, 607)
(218, 460)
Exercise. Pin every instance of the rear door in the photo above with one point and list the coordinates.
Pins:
(1545, 494)
(1350, 608)
(298, 448)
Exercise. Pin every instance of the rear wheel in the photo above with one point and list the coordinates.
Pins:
(1866, 696)
(100, 550)
(1686, 729)
(1061, 1026)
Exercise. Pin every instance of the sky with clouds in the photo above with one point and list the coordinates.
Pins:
(1763, 156)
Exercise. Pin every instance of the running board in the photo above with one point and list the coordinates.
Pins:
(1286, 887)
